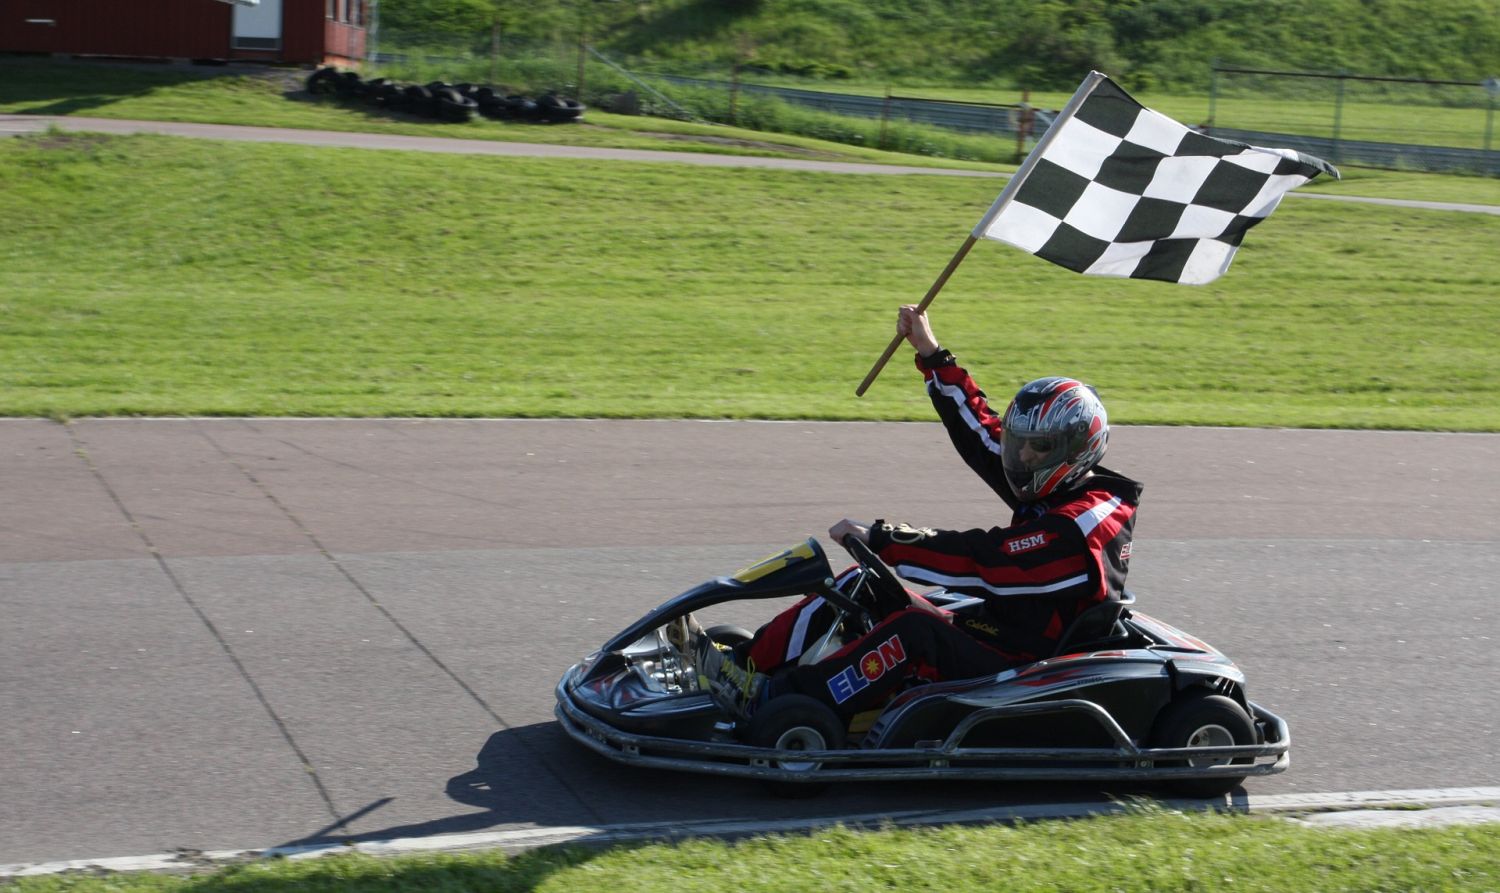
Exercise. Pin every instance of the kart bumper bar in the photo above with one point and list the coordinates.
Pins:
(950, 759)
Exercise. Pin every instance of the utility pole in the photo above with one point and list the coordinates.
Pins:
(583, 46)
(494, 47)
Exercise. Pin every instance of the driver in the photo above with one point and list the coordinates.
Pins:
(1067, 547)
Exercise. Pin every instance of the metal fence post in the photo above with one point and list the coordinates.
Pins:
(372, 31)
(885, 116)
(583, 44)
(1023, 125)
(734, 94)
(1213, 96)
(494, 50)
(1338, 115)
(1492, 89)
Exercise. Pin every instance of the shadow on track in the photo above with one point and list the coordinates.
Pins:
(569, 787)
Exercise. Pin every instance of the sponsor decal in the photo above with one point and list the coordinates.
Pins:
(876, 663)
(980, 626)
(1019, 544)
(1125, 552)
(906, 534)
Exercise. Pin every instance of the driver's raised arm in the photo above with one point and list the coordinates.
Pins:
(973, 427)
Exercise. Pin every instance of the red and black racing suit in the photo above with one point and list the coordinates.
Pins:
(1058, 556)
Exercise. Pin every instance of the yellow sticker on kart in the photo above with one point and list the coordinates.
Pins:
(774, 563)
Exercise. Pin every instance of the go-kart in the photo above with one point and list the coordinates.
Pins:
(1125, 698)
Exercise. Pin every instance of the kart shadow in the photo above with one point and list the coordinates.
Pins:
(535, 777)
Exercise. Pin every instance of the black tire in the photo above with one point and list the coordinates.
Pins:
(375, 89)
(521, 108)
(455, 111)
(323, 81)
(452, 106)
(729, 634)
(418, 100)
(1199, 719)
(558, 109)
(389, 95)
(350, 85)
(796, 722)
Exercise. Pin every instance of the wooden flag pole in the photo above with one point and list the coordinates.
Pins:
(1024, 171)
(937, 286)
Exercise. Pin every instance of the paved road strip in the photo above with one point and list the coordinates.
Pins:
(1361, 808)
(329, 138)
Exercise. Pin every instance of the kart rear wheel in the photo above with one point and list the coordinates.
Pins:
(795, 722)
(1204, 720)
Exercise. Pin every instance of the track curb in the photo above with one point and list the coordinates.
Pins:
(516, 841)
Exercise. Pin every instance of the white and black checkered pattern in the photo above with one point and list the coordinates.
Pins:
(1121, 190)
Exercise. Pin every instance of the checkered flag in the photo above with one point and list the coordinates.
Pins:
(1116, 189)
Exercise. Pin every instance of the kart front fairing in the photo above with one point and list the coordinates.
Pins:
(637, 680)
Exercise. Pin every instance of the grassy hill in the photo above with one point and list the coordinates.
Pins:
(162, 276)
(1040, 44)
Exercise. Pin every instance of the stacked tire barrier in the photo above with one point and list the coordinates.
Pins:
(440, 101)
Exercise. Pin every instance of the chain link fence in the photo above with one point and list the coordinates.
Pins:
(1398, 123)
(1405, 123)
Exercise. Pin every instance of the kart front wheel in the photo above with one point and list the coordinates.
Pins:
(1204, 720)
(795, 722)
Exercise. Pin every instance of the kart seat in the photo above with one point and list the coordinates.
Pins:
(1097, 625)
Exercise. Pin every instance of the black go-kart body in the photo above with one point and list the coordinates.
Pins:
(1126, 698)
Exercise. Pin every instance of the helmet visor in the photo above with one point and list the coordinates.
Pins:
(1033, 463)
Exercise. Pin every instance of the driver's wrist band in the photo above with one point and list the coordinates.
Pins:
(937, 359)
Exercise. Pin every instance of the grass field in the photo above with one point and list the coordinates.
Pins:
(1152, 852)
(148, 275)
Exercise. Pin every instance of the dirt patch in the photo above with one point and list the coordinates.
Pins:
(59, 140)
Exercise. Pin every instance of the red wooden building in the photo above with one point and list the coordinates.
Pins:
(305, 31)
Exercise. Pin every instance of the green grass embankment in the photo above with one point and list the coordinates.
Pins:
(150, 275)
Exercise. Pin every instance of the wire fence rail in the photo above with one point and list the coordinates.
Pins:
(1447, 125)
(1450, 123)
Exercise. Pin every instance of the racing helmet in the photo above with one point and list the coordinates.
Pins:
(1053, 433)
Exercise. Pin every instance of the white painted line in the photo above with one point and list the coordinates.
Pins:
(1435, 799)
(1440, 817)
(1374, 799)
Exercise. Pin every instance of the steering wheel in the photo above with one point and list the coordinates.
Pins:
(889, 593)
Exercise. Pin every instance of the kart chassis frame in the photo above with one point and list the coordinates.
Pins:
(948, 759)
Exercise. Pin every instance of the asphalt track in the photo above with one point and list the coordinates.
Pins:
(237, 634)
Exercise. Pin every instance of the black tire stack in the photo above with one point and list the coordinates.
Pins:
(455, 103)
